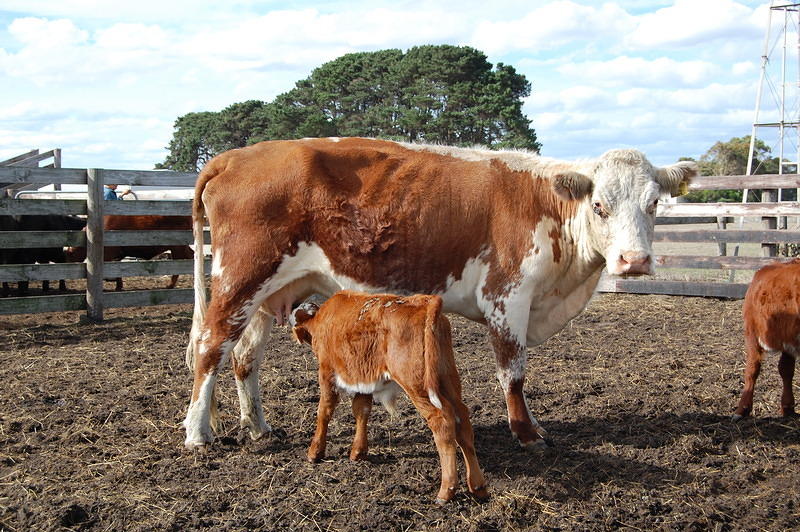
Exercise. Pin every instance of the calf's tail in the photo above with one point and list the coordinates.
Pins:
(434, 334)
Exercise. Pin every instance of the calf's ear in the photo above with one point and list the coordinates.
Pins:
(675, 178)
(301, 335)
(572, 186)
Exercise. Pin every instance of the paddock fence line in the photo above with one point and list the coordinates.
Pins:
(724, 230)
(94, 207)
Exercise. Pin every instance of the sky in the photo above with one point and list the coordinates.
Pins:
(105, 81)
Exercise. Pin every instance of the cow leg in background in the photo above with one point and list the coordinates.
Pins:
(751, 371)
(362, 406)
(223, 325)
(786, 371)
(511, 357)
(328, 399)
(246, 360)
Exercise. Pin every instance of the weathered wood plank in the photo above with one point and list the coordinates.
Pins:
(94, 244)
(42, 206)
(15, 174)
(161, 178)
(683, 220)
(149, 207)
(728, 235)
(784, 208)
(41, 272)
(19, 158)
(38, 304)
(716, 263)
(673, 288)
(738, 182)
(144, 268)
(144, 298)
(41, 239)
(151, 238)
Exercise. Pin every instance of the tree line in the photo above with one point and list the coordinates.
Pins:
(439, 94)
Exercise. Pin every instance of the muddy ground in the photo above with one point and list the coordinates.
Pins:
(636, 394)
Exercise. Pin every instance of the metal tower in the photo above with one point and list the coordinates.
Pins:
(780, 114)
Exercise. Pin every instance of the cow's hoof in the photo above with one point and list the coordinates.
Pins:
(200, 447)
(441, 502)
(534, 446)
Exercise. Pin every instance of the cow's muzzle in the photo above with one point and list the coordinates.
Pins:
(634, 263)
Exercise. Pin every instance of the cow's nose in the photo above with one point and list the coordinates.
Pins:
(634, 263)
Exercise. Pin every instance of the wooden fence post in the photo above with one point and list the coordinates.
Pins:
(769, 222)
(94, 244)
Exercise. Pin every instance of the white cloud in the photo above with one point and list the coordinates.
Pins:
(689, 22)
(552, 25)
(639, 72)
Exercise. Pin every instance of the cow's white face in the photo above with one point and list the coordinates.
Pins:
(623, 206)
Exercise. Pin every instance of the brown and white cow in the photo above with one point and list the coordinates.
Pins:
(147, 252)
(771, 326)
(506, 238)
(369, 344)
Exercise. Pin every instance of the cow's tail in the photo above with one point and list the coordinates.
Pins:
(435, 332)
(200, 301)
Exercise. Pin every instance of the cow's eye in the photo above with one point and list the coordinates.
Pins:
(653, 206)
(599, 210)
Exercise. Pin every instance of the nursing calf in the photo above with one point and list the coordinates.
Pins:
(376, 344)
(771, 325)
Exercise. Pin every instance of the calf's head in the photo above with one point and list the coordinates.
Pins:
(299, 321)
(623, 207)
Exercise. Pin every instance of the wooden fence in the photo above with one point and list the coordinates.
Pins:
(723, 232)
(94, 301)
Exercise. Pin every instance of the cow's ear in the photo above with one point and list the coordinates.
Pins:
(301, 335)
(572, 186)
(675, 179)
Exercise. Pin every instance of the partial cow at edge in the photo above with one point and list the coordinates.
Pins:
(771, 327)
(369, 344)
(140, 223)
(506, 238)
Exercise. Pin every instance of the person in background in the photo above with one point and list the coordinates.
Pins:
(109, 192)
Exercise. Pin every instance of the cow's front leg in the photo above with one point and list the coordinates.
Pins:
(511, 357)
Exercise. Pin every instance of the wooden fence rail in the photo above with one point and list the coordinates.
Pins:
(94, 238)
(94, 207)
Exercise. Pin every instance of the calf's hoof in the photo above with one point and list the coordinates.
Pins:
(534, 446)
(358, 456)
(315, 456)
(481, 493)
(788, 412)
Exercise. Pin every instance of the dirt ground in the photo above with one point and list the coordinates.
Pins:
(636, 394)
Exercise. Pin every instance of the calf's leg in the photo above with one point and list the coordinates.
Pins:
(442, 424)
(786, 371)
(362, 405)
(751, 371)
(476, 482)
(328, 399)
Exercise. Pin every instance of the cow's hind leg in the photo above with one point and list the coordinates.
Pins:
(755, 354)
(786, 371)
(511, 357)
(246, 360)
(221, 329)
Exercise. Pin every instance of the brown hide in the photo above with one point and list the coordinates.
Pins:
(772, 324)
(361, 339)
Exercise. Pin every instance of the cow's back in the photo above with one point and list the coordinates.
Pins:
(772, 306)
